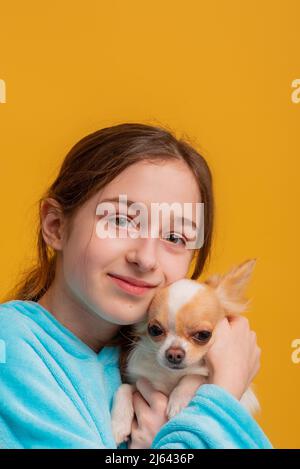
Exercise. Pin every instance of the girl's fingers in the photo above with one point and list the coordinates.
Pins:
(134, 425)
(140, 407)
(256, 363)
(147, 391)
(232, 318)
(152, 397)
(221, 327)
(133, 435)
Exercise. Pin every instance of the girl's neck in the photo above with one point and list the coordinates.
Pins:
(86, 325)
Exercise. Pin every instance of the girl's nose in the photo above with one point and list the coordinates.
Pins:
(144, 254)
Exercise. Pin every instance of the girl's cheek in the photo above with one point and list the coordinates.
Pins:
(108, 250)
(175, 265)
(172, 260)
(104, 255)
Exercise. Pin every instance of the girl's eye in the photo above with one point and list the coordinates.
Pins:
(120, 218)
(203, 336)
(172, 235)
(123, 221)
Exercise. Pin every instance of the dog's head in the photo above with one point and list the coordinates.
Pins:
(182, 317)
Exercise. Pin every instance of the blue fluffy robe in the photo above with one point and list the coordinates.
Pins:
(56, 392)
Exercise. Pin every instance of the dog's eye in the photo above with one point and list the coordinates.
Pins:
(203, 336)
(155, 330)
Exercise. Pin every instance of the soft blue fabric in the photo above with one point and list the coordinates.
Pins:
(56, 392)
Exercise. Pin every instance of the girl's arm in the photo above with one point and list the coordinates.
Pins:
(36, 411)
(214, 419)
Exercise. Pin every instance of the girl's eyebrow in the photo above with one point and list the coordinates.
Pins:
(116, 199)
(130, 202)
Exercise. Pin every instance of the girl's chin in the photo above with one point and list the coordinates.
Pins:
(116, 313)
(128, 320)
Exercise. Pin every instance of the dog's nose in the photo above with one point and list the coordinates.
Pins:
(175, 355)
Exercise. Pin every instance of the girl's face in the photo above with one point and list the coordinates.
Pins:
(87, 260)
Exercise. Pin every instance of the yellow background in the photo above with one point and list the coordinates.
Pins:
(219, 72)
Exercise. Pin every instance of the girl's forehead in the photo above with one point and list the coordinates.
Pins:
(151, 202)
(147, 183)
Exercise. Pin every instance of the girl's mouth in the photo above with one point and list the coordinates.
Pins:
(129, 287)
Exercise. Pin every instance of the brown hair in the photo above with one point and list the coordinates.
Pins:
(90, 165)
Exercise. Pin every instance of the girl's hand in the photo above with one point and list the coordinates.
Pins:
(234, 357)
(150, 408)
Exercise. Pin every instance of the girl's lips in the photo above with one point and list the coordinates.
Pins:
(129, 287)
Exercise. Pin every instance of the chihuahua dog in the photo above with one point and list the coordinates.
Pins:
(169, 346)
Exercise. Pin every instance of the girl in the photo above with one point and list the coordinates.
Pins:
(64, 324)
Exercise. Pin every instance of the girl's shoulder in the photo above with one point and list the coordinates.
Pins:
(19, 342)
(28, 324)
(17, 321)
(15, 312)
(18, 311)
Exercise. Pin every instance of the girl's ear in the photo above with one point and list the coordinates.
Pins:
(52, 223)
(230, 288)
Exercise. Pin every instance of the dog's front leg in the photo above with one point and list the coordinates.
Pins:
(183, 393)
(122, 413)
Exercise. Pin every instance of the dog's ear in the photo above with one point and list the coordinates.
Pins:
(213, 280)
(230, 288)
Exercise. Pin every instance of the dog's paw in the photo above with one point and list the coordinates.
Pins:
(121, 431)
(176, 404)
(122, 413)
